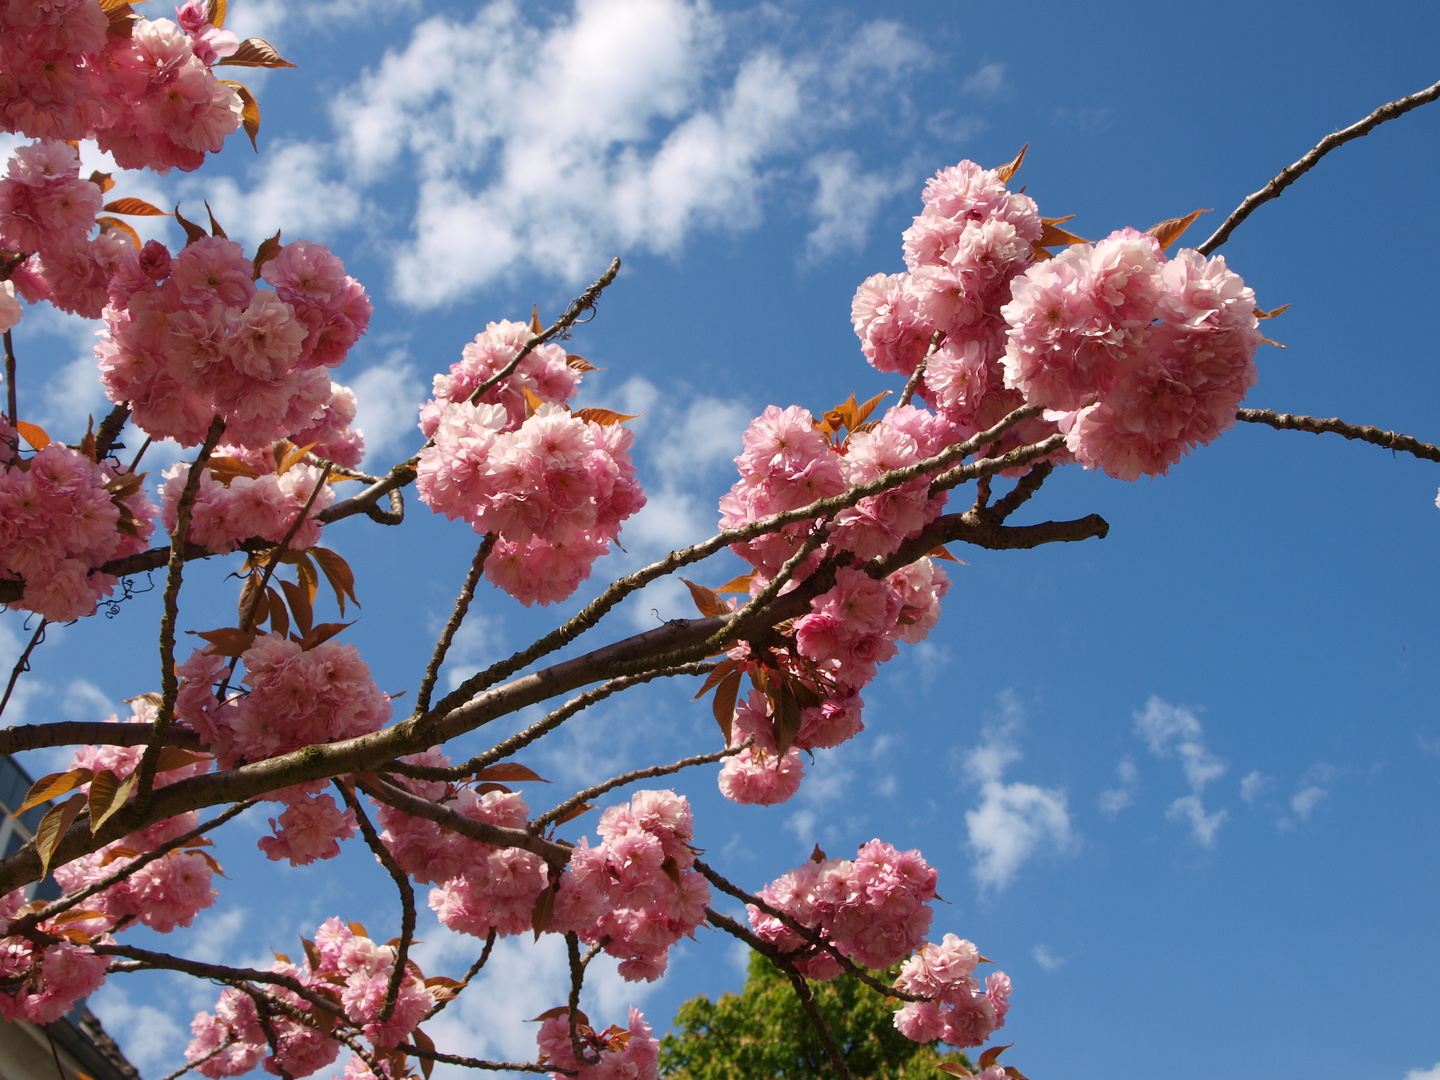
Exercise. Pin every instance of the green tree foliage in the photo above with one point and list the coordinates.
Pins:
(764, 1034)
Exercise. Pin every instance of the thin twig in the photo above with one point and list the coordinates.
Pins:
(109, 431)
(580, 797)
(913, 383)
(723, 638)
(1291, 173)
(479, 1063)
(229, 1042)
(169, 681)
(545, 724)
(474, 970)
(462, 606)
(398, 971)
(12, 407)
(23, 664)
(262, 1013)
(555, 855)
(577, 980)
(802, 989)
(1361, 432)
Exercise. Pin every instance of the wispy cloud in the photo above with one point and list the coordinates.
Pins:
(987, 82)
(1253, 785)
(1432, 1073)
(1046, 958)
(1014, 821)
(1173, 731)
(1312, 790)
(1115, 799)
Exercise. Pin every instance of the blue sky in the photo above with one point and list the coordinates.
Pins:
(1182, 783)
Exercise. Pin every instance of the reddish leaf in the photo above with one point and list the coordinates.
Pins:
(322, 633)
(574, 812)
(1005, 172)
(299, 606)
(122, 19)
(943, 553)
(544, 910)
(580, 364)
(215, 13)
(193, 232)
(215, 229)
(954, 1068)
(1014, 1073)
(532, 401)
(817, 855)
(1271, 313)
(77, 915)
(989, 1057)
(1053, 236)
(724, 704)
(108, 795)
(716, 676)
(103, 180)
(33, 434)
(425, 1043)
(862, 412)
(486, 788)
(225, 469)
(535, 327)
(253, 607)
(52, 828)
(172, 758)
(707, 601)
(509, 770)
(561, 1010)
(358, 928)
(114, 224)
(227, 641)
(249, 107)
(312, 953)
(1167, 232)
(787, 719)
(134, 207)
(605, 417)
(279, 618)
(293, 456)
(254, 52)
(337, 571)
(268, 249)
(47, 787)
(739, 584)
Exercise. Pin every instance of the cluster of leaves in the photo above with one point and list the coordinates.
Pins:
(763, 1033)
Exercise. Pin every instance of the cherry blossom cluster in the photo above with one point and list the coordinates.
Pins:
(341, 963)
(42, 983)
(167, 892)
(955, 1008)
(61, 516)
(294, 697)
(47, 211)
(231, 507)
(191, 337)
(144, 92)
(850, 630)
(555, 491)
(636, 891)
(1136, 357)
(545, 372)
(479, 887)
(631, 1053)
(874, 909)
(969, 242)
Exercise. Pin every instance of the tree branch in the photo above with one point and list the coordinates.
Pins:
(82, 732)
(1361, 432)
(398, 972)
(1291, 173)
(462, 606)
(23, 664)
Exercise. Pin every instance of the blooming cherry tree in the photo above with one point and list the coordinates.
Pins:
(1020, 348)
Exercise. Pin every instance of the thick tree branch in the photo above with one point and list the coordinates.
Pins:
(82, 732)
(1291, 173)
(1391, 440)
(109, 431)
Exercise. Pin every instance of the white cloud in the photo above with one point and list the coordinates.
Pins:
(620, 125)
(1424, 1074)
(845, 204)
(1306, 800)
(1253, 784)
(1046, 958)
(388, 396)
(1310, 792)
(1115, 799)
(1172, 730)
(290, 189)
(151, 1037)
(987, 82)
(1012, 821)
(478, 642)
